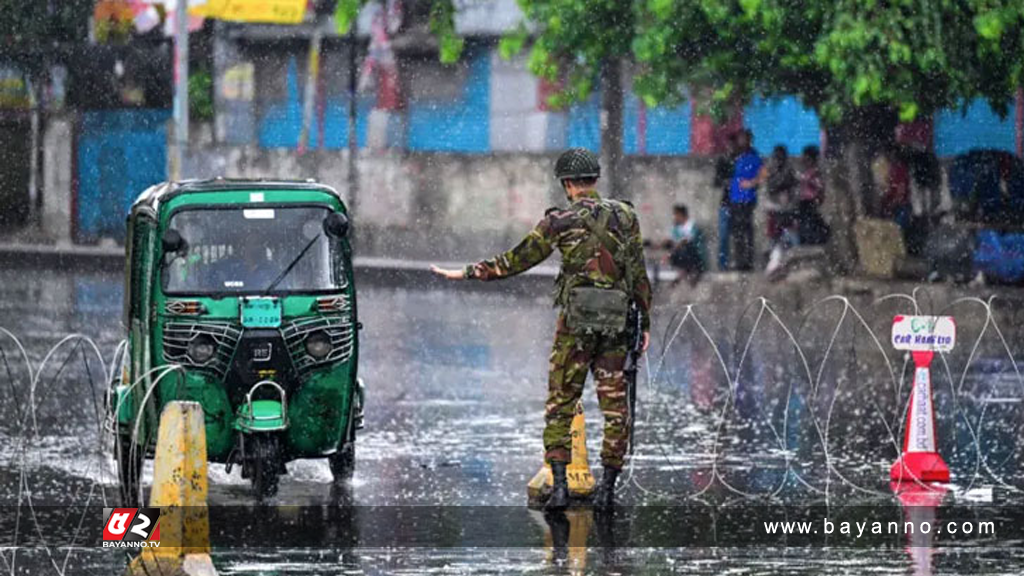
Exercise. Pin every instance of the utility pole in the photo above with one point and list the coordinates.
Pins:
(353, 143)
(312, 81)
(180, 90)
(612, 97)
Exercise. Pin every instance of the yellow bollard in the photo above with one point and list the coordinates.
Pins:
(179, 491)
(581, 481)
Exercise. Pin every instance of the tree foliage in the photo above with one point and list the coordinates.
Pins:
(911, 56)
(571, 41)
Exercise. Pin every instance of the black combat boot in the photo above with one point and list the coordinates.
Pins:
(605, 495)
(559, 499)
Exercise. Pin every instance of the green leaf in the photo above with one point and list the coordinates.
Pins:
(540, 63)
(442, 24)
(908, 111)
(512, 42)
(989, 25)
(345, 14)
(750, 7)
(451, 48)
(861, 86)
(661, 8)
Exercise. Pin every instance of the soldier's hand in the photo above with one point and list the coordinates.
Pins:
(647, 341)
(448, 274)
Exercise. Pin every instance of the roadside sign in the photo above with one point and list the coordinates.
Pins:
(924, 333)
(262, 11)
(922, 336)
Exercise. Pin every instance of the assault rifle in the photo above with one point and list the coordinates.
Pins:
(632, 366)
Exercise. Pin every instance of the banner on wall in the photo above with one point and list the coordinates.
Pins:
(256, 11)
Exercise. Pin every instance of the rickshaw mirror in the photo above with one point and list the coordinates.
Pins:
(173, 242)
(336, 225)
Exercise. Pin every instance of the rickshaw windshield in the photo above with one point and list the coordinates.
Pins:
(251, 250)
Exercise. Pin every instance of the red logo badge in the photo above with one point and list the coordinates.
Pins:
(131, 528)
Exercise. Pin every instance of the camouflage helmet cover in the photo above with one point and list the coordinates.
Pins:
(577, 163)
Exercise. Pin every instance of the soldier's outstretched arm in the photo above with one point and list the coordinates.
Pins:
(531, 251)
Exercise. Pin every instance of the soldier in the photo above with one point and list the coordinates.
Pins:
(602, 272)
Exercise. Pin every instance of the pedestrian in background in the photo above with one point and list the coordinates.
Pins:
(780, 186)
(686, 248)
(811, 227)
(781, 191)
(749, 173)
(895, 203)
(724, 168)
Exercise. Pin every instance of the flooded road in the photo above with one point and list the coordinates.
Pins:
(748, 411)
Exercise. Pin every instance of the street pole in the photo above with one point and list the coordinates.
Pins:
(34, 180)
(353, 143)
(312, 79)
(180, 90)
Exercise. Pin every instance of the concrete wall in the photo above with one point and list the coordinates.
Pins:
(459, 207)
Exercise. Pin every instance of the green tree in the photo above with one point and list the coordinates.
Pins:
(862, 65)
(578, 42)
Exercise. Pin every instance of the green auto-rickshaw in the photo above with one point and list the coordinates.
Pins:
(239, 295)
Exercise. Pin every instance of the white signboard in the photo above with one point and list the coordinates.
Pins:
(924, 333)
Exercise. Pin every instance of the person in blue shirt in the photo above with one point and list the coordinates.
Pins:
(749, 172)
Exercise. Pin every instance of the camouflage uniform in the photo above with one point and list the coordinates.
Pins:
(584, 263)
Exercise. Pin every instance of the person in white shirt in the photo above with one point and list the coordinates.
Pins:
(686, 248)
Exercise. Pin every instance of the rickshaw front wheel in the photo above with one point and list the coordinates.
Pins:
(343, 463)
(266, 464)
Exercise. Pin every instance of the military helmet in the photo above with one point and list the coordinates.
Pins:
(576, 163)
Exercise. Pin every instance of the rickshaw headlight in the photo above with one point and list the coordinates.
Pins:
(201, 349)
(318, 345)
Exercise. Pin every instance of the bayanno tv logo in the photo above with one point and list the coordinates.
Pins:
(131, 528)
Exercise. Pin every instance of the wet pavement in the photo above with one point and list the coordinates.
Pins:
(746, 413)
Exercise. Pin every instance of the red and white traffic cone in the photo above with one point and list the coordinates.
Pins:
(920, 461)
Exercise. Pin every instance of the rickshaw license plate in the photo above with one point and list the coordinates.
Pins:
(261, 312)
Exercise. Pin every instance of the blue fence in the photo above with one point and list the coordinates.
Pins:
(461, 125)
(585, 123)
(782, 121)
(666, 130)
(460, 121)
(281, 124)
(120, 153)
(976, 127)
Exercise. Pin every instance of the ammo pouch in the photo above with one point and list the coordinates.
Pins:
(591, 309)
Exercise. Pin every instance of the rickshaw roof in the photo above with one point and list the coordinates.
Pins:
(153, 196)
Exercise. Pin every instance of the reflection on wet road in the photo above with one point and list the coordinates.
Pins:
(738, 408)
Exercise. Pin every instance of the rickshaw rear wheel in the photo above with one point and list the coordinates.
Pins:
(129, 470)
(343, 462)
(266, 464)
